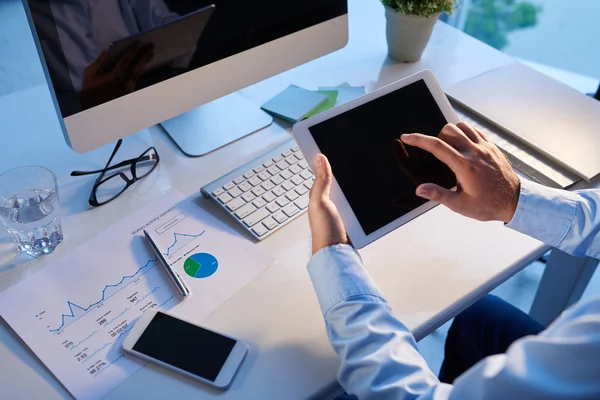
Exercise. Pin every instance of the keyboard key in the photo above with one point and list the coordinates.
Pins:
(270, 223)
(278, 191)
(292, 195)
(245, 186)
(279, 217)
(287, 153)
(297, 180)
(255, 181)
(218, 192)
(239, 180)
(269, 197)
(278, 158)
(299, 156)
(235, 192)
(301, 190)
(290, 210)
(235, 204)
(258, 203)
(277, 179)
(259, 169)
(308, 184)
(244, 211)
(286, 174)
(282, 164)
(291, 160)
(225, 198)
(264, 175)
(303, 164)
(282, 201)
(302, 202)
(273, 170)
(268, 185)
(248, 197)
(306, 174)
(256, 217)
(295, 169)
(268, 164)
(260, 230)
(228, 186)
(249, 174)
(258, 191)
(273, 206)
(288, 185)
(295, 149)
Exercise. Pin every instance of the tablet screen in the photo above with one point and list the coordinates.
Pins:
(377, 173)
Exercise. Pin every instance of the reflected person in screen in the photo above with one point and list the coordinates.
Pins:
(86, 29)
(493, 350)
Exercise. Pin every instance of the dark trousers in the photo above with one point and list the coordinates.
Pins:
(488, 327)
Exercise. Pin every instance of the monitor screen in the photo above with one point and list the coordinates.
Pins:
(99, 50)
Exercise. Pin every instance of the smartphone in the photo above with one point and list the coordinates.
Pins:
(181, 346)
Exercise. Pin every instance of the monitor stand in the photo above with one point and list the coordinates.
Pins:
(215, 124)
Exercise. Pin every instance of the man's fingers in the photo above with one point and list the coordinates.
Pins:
(443, 196)
(482, 135)
(440, 149)
(456, 138)
(469, 131)
(323, 178)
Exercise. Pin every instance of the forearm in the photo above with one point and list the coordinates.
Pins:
(568, 221)
(378, 354)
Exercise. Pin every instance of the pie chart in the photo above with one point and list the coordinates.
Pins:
(201, 265)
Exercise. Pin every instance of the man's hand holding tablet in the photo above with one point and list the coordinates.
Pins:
(487, 190)
(377, 175)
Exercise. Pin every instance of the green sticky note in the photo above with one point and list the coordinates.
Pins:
(327, 105)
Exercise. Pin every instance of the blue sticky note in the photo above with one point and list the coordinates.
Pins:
(346, 93)
(294, 103)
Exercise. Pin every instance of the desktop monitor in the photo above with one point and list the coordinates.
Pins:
(119, 66)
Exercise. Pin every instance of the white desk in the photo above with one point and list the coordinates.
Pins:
(429, 269)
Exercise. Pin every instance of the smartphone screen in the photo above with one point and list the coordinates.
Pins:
(185, 346)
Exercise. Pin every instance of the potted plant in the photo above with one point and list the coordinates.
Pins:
(409, 25)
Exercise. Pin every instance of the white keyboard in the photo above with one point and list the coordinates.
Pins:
(266, 193)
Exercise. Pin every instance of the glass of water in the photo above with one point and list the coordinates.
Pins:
(30, 210)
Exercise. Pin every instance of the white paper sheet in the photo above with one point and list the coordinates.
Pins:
(75, 313)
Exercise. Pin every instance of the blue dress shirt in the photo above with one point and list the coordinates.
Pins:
(379, 356)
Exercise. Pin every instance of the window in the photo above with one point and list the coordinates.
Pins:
(557, 37)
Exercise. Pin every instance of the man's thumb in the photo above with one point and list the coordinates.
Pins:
(323, 177)
(434, 192)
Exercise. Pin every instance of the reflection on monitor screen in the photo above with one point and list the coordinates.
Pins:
(99, 50)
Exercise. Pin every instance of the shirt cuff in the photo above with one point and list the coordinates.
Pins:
(544, 213)
(337, 273)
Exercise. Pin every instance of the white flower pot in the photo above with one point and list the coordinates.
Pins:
(407, 35)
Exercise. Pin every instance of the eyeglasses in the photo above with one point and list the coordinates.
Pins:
(108, 188)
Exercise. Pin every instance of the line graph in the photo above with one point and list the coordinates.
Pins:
(89, 357)
(153, 290)
(113, 320)
(176, 235)
(77, 345)
(86, 309)
(166, 301)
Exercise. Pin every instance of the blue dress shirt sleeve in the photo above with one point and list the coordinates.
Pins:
(568, 221)
(378, 354)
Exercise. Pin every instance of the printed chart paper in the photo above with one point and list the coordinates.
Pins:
(75, 313)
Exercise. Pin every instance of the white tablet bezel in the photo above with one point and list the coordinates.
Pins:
(310, 150)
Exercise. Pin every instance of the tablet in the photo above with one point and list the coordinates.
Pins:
(374, 174)
(170, 41)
